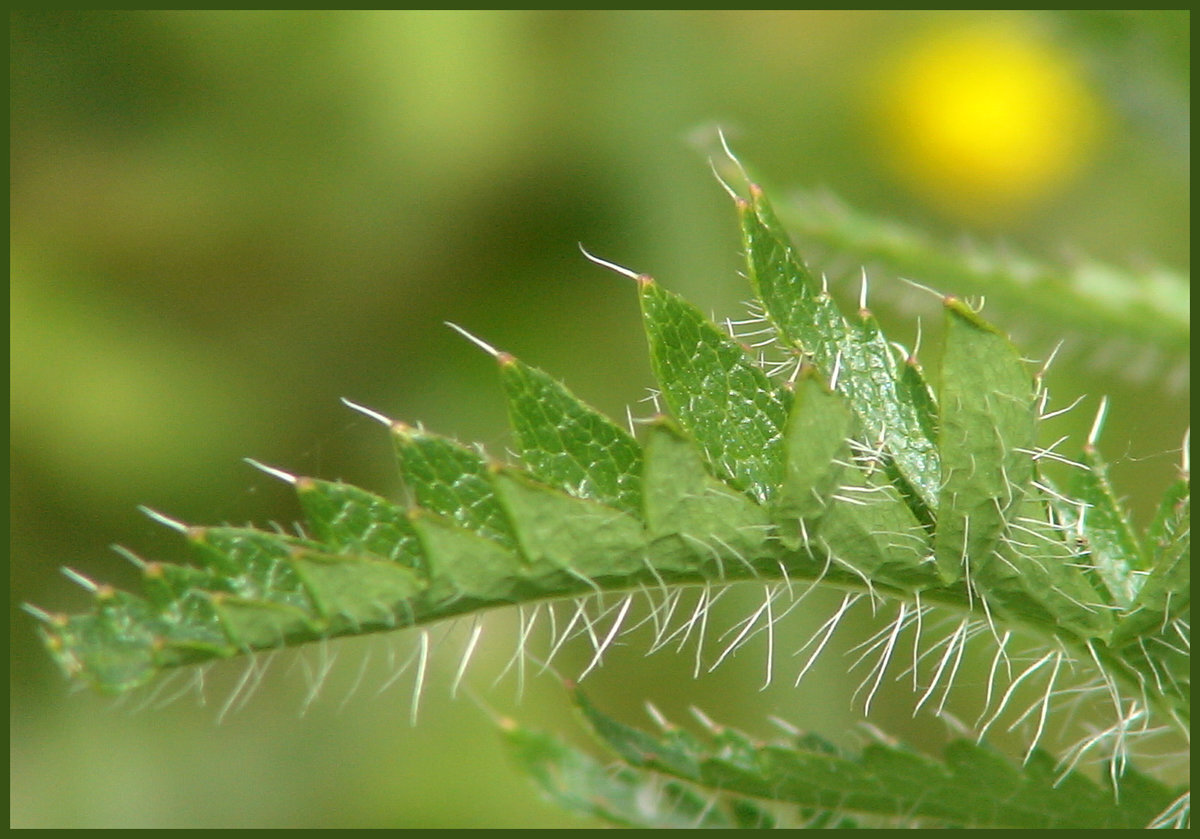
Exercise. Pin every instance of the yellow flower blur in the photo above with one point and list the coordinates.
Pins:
(986, 119)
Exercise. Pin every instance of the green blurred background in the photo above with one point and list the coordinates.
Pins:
(222, 222)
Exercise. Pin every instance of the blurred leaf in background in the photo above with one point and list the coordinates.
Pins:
(222, 222)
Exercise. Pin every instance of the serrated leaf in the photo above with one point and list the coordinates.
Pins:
(451, 480)
(625, 796)
(972, 787)
(854, 355)
(986, 437)
(566, 444)
(112, 647)
(817, 440)
(694, 518)
(354, 521)
(726, 403)
(838, 486)
(1114, 549)
(557, 531)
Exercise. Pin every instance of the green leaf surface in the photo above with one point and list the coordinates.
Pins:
(566, 444)
(853, 355)
(850, 474)
(623, 796)
(450, 480)
(694, 519)
(986, 439)
(972, 786)
(1035, 574)
(1116, 552)
(557, 531)
(353, 521)
(873, 531)
(723, 400)
(337, 586)
(818, 434)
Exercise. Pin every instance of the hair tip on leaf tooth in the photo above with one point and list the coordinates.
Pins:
(163, 520)
(128, 555)
(286, 477)
(1185, 456)
(612, 266)
(920, 287)
(80, 580)
(479, 342)
(729, 152)
(1097, 425)
(366, 412)
(52, 619)
(737, 199)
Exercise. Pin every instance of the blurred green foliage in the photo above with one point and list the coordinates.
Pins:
(221, 222)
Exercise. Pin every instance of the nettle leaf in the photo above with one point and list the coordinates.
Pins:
(972, 786)
(624, 796)
(566, 443)
(726, 402)
(986, 434)
(854, 356)
(820, 455)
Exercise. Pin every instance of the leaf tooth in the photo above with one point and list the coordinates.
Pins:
(468, 570)
(258, 563)
(252, 624)
(167, 585)
(567, 444)
(349, 520)
(358, 593)
(1103, 530)
(558, 531)
(451, 480)
(722, 399)
(986, 428)
(817, 444)
(1164, 592)
(852, 353)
